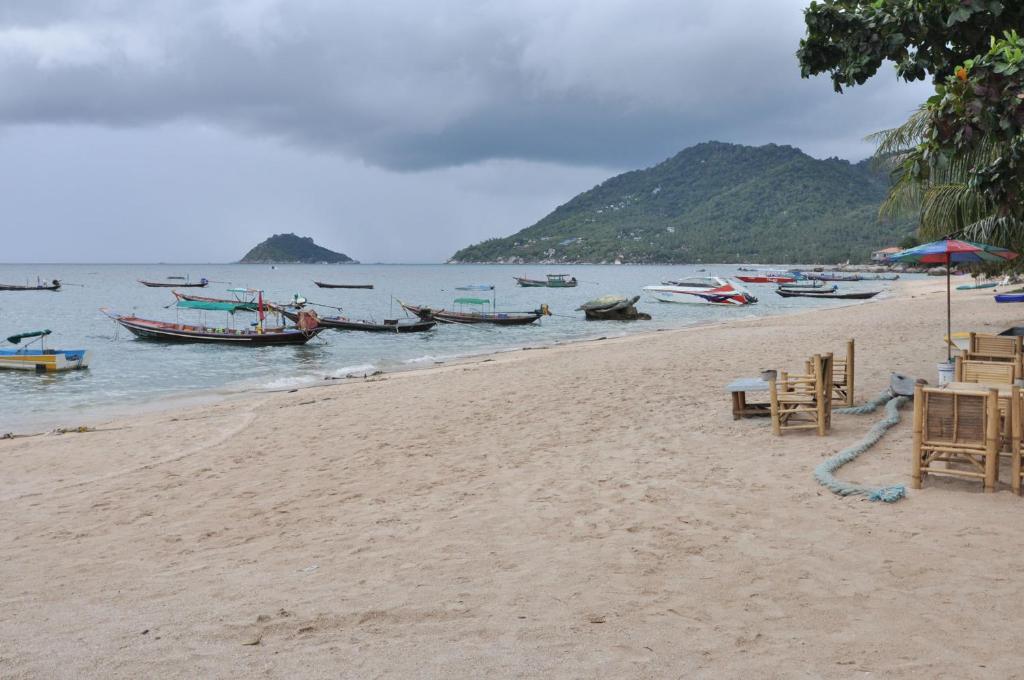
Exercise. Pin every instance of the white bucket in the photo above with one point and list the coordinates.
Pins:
(945, 372)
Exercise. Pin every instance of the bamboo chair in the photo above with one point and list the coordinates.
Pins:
(803, 402)
(960, 429)
(987, 372)
(842, 376)
(988, 347)
(1017, 449)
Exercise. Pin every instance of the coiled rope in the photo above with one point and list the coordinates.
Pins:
(824, 472)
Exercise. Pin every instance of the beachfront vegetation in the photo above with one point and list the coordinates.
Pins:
(714, 202)
(958, 162)
(292, 249)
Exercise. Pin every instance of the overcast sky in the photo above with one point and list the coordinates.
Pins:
(395, 131)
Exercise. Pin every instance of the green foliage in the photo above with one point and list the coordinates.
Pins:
(908, 242)
(849, 39)
(970, 132)
(292, 249)
(714, 202)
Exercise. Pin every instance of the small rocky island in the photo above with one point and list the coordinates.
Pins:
(292, 249)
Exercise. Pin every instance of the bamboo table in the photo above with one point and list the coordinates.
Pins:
(741, 408)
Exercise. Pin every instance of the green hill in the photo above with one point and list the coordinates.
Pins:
(714, 202)
(292, 249)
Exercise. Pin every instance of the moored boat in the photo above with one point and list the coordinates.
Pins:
(552, 281)
(457, 317)
(832, 295)
(41, 360)
(816, 287)
(166, 331)
(977, 286)
(768, 276)
(701, 290)
(248, 303)
(52, 286)
(345, 324)
(165, 284)
(362, 286)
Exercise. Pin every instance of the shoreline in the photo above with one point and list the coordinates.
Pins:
(187, 400)
(589, 508)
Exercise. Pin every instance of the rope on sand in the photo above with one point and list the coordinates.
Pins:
(824, 472)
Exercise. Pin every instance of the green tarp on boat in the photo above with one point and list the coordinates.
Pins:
(15, 339)
(215, 306)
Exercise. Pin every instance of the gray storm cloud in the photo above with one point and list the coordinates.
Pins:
(413, 85)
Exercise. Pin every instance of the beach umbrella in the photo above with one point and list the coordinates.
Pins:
(950, 251)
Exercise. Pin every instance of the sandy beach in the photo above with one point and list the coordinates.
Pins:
(577, 511)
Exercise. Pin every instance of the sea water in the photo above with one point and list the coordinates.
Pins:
(127, 372)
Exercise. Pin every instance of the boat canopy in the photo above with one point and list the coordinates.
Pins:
(215, 306)
(472, 301)
(15, 339)
(244, 290)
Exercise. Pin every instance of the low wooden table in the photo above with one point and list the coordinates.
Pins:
(741, 408)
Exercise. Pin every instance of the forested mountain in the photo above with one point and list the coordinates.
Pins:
(292, 249)
(714, 202)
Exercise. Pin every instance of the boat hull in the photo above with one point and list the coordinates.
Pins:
(867, 295)
(9, 287)
(354, 286)
(45, 361)
(712, 296)
(1010, 297)
(537, 283)
(162, 284)
(767, 279)
(343, 324)
(494, 318)
(171, 332)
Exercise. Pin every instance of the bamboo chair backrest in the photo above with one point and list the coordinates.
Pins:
(986, 344)
(824, 375)
(988, 372)
(957, 420)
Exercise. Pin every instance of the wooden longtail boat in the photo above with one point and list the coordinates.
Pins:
(53, 286)
(307, 328)
(496, 318)
(165, 284)
(345, 324)
(248, 305)
(828, 296)
(363, 286)
(553, 281)
(176, 332)
(41, 360)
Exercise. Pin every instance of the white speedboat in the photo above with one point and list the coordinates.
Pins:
(701, 290)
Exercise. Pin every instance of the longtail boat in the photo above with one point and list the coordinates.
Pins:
(52, 286)
(306, 329)
(345, 324)
(41, 360)
(552, 281)
(165, 284)
(457, 317)
(248, 304)
(363, 286)
(833, 295)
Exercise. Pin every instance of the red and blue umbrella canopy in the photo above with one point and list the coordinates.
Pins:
(949, 251)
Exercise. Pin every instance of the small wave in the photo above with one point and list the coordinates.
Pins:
(357, 368)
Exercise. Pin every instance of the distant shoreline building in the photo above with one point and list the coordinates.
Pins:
(884, 254)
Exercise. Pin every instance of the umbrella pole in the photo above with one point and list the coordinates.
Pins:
(949, 321)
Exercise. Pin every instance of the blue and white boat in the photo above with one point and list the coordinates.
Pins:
(40, 359)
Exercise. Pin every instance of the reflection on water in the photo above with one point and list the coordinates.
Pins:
(126, 371)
